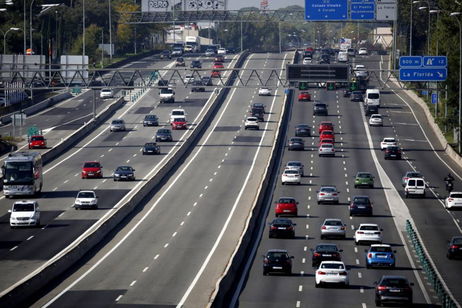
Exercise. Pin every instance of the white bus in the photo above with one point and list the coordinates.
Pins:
(22, 174)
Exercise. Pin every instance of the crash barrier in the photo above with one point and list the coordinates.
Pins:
(442, 291)
(227, 283)
(29, 285)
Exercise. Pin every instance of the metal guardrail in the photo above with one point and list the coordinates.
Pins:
(443, 293)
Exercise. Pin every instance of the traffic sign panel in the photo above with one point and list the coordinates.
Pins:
(435, 61)
(410, 61)
(434, 98)
(326, 9)
(423, 74)
(362, 10)
(387, 10)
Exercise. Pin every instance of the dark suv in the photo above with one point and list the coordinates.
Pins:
(361, 205)
(281, 227)
(325, 252)
(393, 289)
(151, 120)
(392, 152)
(258, 110)
(277, 260)
(164, 134)
(196, 64)
(320, 109)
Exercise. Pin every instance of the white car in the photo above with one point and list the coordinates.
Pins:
(24, 214)
(415, 187)
(376, 120)
(86, 199)
(264, 92)
(360, 67)
(291, 176)
(188, 79)
(307, 61)
(332, 272)
(251, 123)
(326, 149)
(178, 112)
(388, 142)
(371, 233)
(295, 165)
(362, 51)
(454, 200)
(209, 52)
(106, 93)
(221, 51)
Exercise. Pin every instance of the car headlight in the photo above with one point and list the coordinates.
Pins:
(78, 202)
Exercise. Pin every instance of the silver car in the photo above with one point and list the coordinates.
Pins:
(326, 149)
(117, 125)
(327, 194)
(295, 165)
(408, 175)
(333, 227)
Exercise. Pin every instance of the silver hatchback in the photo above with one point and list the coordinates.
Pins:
(295, 165)
(328, 194)
(333, 227)
(117, 125)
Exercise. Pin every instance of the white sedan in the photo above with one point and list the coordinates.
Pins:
(371, 233)
(332, 272)
(362, 51)
(376, 120)
(454, 200)
(388, 142)
(264, 92)
(326, 149)
(291, 176)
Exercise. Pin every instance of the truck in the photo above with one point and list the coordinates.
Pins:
(192, 43)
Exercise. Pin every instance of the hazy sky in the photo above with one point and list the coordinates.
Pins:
(273, 4)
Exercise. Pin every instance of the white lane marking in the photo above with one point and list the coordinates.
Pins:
(156, 256)
(303, 260)
(357, 260)
(194, 204)
(363, 304)
(118, 298)
(145, 269)
(133, 283)
(297, 305)
(360, 275)
(201, 195)
(13, 248)
(65, 181)
(300, 288)
(174, 234)
(166, 245)
(305, 248)
(30, 237)
(205, 188)
(356, 249)
(189, 213)
(182, 223)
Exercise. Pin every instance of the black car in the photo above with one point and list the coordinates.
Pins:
(164, 134)
(281, 227)
(151, 120)
(180, 62)
(126, 173)
(324, 61)
(455, 247)
(392, 152)
(370, 109)
(196, 64)
(151, 148)
(197, 86)
(165, 54)
(325, 252)
(361, 205)
(302, 130)
(346, 93)
(393, 289)
(320, 109)
(258, 113)
(162, 83)
(207, 81)
(277, 260)
(356, 96)
(296, 144)
(258, 106)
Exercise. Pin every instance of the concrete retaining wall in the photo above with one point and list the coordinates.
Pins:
(25, 288)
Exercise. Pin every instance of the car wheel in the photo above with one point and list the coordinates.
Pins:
(368, 265)
(277, 215)
(378, 303)
(356, 186)
(37, 224)
(270, 236)
(265, 272)
(322, 237)
(406, 195)
(283, 183)
(449, 256)
(371, 186)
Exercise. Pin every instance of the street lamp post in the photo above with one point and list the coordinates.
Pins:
(30, 25)
(4, 37)
(456, 14)
(110, 31)
(422, 8)
(410, 28)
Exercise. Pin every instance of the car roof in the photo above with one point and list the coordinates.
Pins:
(25, 201)
(332, 261)
(368, 224)
(276, 250)
(332, 219)
(380, 245)
(393, 277)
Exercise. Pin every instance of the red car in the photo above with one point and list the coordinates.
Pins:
(309, 49)
(286, 206)
(37, 142)
(215, 74)
(326, 140)
(218, 65)
(325, 125)
(92, 169)
(178, 123)
(326, 134)
(304, 96)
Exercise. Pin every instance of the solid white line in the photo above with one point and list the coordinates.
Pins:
(30, 237)
(133, 283)
(118, 298)
(13, 248)
(297, 304)
(145, 269)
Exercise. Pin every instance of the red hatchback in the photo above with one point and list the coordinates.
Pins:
(37, 142)
(286, 206)
(326, 140)
(92, 169)
(215, 74)
(326, 134)
(218, 65)
(304, 96)
(325, 125)
(178, 123)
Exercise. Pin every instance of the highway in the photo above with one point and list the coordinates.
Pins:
(180, 242)
(354, 153)
(24, 250)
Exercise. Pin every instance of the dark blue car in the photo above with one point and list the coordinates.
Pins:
(380, 255)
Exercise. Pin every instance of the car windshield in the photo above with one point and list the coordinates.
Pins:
(361, 200)
(286, 200)
(369, 228)
(91, 165)
(124, 168)
(150, 117)
(332, 266)
(117, 122)
(380, 249)
(364, 175)
(276, 255)
(333, 223)
(86, 194)
(163, 131)
(456, 195)
(291, 171)
(106, 90)
(331, 248)
(394, 282)
(37, 138)
(457, 241)
(23, 207)
(328, 189)
(179, 120)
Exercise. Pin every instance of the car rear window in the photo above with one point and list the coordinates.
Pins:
(286, 200)
(362, 200)
(457, 241)
(326, 248)
(396, 282)
(327, 145)
(380, 249)
(91, 165)
(333, 223)
(86, 195)
(37, 138)
(277, 255)
(373, 96)
(23, 207)
(456, 195)
(328, 189)
(332, 266)
(364, 175)
(369, 228)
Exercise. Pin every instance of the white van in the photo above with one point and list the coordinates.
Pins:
(415, 186)
(24, 214)
(372, 97)
(342, 56)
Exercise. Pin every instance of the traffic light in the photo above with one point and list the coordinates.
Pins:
(330, 85)
(303, 85)
(353, 86)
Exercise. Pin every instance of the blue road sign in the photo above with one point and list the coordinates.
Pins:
(423, 74)
(326, 10)
(435, 61)
(410, 61)
(362, 1)
(362, 10)
(434, 98)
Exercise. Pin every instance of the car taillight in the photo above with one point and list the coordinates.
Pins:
(334, 194)
(323, 227)
(360, 232)
(266, 261)
(273, 228)
(382, 288)
(342, 273)
(322, 194)
(316, 254)
(369, 255)
(352, 206)
(321, 273)
(454, 246)
(450, 199)
(342, 228)
(405, 179)
(290, 228)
